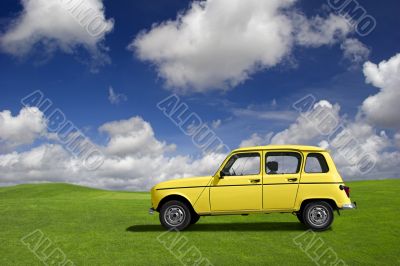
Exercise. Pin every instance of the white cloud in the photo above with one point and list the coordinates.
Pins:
(383, 108)
(397, 139)
(133, 137)
(257, 140)
(309, 125)
(355, 51)
(320, 31)
(218, 44)
(324, 144)
(216, 123)
(134, 159)
(365, 140)
(22, 129)
(63, 25)
(323, 104)
(116, 98)
(348, 140)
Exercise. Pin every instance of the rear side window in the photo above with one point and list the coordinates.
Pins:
(316, 163)
(282, 163)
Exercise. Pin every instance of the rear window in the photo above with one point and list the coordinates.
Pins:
(316, 163)
(282, 163)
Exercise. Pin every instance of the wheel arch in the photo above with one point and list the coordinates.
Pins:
(331, 202)
(175, 197)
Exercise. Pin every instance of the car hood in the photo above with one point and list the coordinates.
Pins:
(185, 182)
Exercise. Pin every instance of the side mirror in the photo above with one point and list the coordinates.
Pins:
(222, 174)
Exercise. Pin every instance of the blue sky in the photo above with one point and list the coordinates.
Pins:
(82, 92)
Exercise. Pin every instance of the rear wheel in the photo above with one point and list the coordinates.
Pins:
(175, 215)
(299, 216)
(318, 215)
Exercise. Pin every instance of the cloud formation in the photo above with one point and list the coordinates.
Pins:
(134, 160)
(218, 44)
(257, 140)
(350, 141)
(58, 25)
(397, 139)
(318, 31)
(134, 137)
(22, 129)
(116, 98)
(353, 138)
(355, 51)
(383, 108)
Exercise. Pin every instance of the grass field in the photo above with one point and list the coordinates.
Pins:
(94, 227)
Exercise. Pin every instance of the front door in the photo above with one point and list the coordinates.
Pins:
(281, 179)
(240, 186)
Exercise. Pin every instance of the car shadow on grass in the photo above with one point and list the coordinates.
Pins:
(213, 227)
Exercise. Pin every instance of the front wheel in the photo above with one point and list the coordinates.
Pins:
(318, 215)
(175, 215)
(195, 218)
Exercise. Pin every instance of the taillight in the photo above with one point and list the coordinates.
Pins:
(346, 189)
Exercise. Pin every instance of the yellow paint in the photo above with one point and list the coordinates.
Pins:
(243, 194)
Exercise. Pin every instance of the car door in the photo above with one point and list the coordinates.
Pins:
(240, 186)
(281, 179)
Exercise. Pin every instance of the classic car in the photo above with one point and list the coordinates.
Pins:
(301, 180)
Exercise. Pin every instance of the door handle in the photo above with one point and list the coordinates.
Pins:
(255, 180)
(292, 179)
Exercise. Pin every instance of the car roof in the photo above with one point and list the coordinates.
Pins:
(282, 147)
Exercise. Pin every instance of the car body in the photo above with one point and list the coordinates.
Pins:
(265, 179)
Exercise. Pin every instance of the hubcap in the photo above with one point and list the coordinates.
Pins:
(174, 215)
(318, 215)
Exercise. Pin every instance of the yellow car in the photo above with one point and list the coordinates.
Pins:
(302, 180)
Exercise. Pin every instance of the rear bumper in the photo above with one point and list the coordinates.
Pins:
(349, 206)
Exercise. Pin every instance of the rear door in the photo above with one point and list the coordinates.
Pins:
(281, 179)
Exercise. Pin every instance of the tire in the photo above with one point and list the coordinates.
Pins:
(299, 216)
(175, 214)
(318, 215)
(195, 218)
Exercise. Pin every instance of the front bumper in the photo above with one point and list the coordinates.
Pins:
(349, 206)
(151, 211)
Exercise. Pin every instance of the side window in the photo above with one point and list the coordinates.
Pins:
(316, 163)
(243, 164)
(282, 163)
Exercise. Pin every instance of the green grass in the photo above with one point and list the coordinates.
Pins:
(95, 227)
